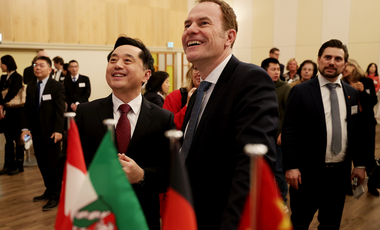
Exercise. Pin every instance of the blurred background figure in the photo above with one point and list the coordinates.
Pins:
(176, 102)
(157, 88)
(291, 75)
(307, 70)
(65, 70)
(373, 74)
(58, 66)
(11, 81)
(354, 75)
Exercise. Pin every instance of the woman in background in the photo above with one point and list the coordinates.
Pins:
(176, 102)
(12, 117)
(307, 70)
(373, 74)
(292, 75)
(157, 88)
(354, 75)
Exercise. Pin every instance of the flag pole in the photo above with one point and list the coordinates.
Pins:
(110, 123)
(69, 116)
(255, 152)
(173, 135)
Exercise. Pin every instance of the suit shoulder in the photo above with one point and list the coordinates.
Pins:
(158, 110)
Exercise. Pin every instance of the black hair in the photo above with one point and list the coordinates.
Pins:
(265, 63)
(9, 62)
(334, 43)
(369, 66)
(45, 59)
(58, 59)
(145, 54)
(155, 81)
(315, 70)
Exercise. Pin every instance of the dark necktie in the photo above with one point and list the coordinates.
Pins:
(38, 99)
(194, 118)
(336, 143)
(123, 129)
(74, 79)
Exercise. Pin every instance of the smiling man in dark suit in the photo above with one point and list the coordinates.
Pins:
(77, 87)
(320, 141)
(237, 105)
(42, 119)
(146, 160)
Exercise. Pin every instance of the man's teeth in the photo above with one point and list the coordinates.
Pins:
(118, 75)
(193, 43)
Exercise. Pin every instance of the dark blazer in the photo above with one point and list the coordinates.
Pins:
(368, 100)
(14, 83)
(79, 91)
(29, 75)
(242, 109)
(50, 111)
(155, 98)
(149, 148)
(304, 131)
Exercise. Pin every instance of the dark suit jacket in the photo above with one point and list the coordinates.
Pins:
(368, 100)
(304, 132)
(149, 148)
(79, 91)
(14, 83)
(50, 111)
(242, 109)
(29, 75)
(155, 98)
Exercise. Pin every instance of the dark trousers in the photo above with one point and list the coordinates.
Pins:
(280, 175)
(325, 193)
(12, 133)
(47, 154)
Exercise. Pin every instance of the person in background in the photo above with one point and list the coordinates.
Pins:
(12, 117)
(272, 66)
(65, 70)
(354, 75)
(374, 75)
(292, 75)
(177, 101)
(157, 88)
(307, 70)
(58, 65)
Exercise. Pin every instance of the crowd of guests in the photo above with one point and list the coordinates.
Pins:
(234, 104)
(32, 106)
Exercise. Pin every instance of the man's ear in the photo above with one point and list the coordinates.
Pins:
(231, 37)
(147, 74)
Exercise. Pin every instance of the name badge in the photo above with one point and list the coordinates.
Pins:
(367, 91)
(82, 84)
(354, 109)
(46, 97)
(62, 78)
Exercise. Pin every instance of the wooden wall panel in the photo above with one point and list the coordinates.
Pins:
(6, 20)
(97, 22)
(29, 20)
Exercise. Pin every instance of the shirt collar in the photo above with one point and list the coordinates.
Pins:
(323, 81)
(215, 74)
(44, 80)
(76, 77)
(135, 104)
(10, 73)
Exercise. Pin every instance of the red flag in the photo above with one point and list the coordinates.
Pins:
(179, 212)
(265, 210)
(73, 177)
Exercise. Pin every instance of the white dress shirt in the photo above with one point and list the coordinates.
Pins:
(325, 92)
(76, 77)
(132, 115)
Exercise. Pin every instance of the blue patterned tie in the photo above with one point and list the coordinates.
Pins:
(194, 118)
(336, 143)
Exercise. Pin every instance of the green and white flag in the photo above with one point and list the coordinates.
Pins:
(107, 199)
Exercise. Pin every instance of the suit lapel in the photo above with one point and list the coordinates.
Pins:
(315, 91)
(143, 122)
(105, 111)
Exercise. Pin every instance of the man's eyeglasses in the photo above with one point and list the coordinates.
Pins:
(39, 65)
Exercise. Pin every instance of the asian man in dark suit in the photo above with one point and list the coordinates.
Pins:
(42, 119)
(77, 87)
(146, 158)
(238, 108)
(319, 141)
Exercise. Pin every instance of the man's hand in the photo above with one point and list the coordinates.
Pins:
(279, 139)
(73, 106)
(189, 95)
(1, 112)
(358, 86)
(358, 173)
(24, 133)
(133, 171)
(293, 177)
(57, 137)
